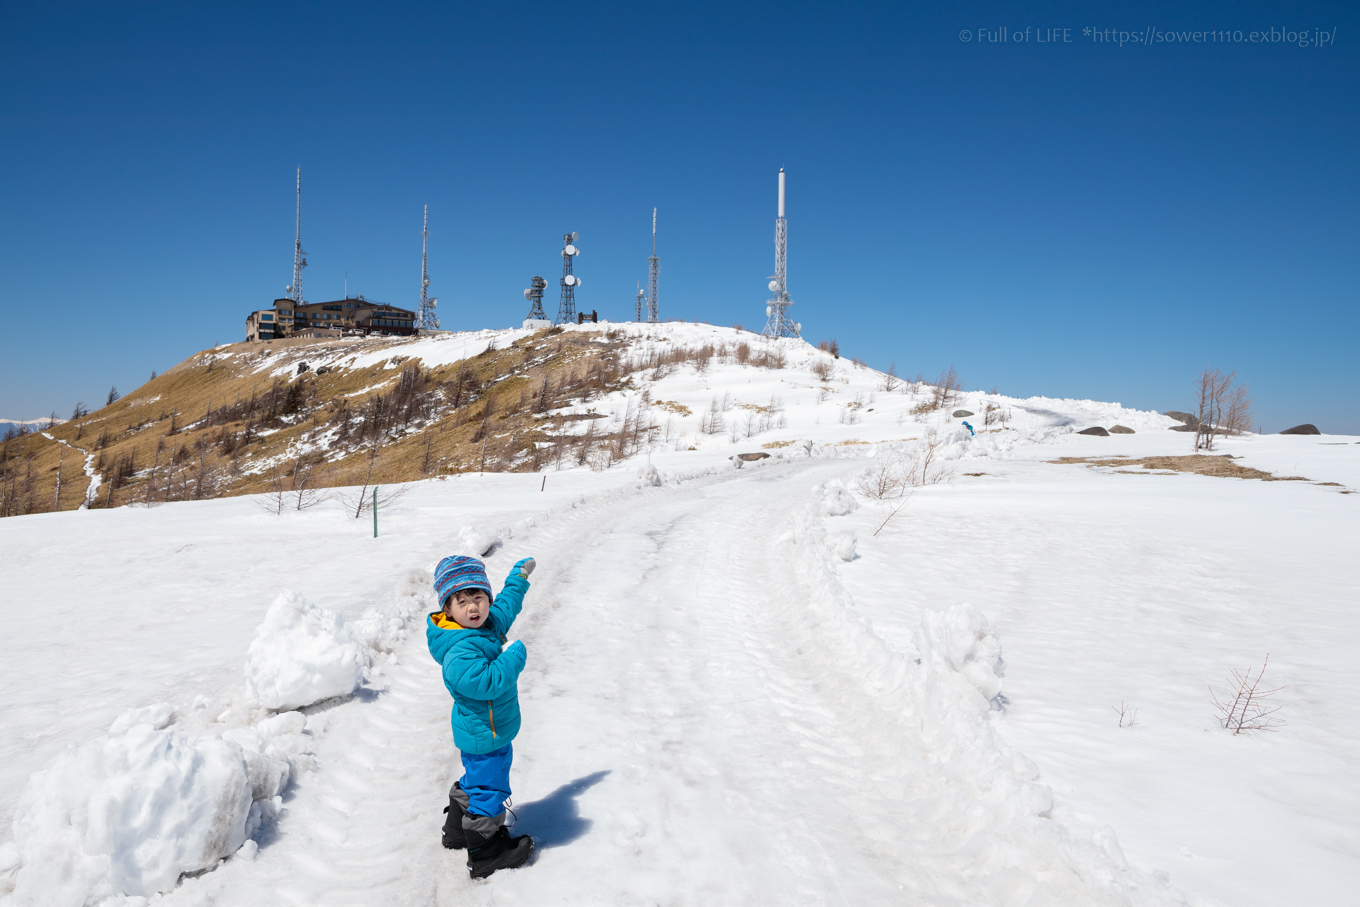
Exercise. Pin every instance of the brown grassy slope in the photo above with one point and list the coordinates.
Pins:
(1199, 464)
(213, 425)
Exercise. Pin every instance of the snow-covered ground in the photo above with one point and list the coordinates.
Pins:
(736, 692)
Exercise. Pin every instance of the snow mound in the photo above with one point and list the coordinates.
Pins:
(123, 817)
(128, 815)
(961, 640)
(835, 500)
(475, 542)
(841, 544)
(302, 655)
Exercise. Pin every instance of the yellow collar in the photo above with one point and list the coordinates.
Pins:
(444, 622)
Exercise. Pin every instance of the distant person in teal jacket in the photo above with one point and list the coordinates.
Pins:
(465, 637)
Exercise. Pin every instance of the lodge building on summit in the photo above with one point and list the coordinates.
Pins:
(351, 315)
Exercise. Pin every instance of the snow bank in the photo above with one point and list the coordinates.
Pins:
(960, 639)
(128, 814)
(301, 655)
(123, 817)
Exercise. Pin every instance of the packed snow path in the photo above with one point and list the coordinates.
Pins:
(690, 737)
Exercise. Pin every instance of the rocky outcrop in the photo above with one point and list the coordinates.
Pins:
(1120, 430)
(1095, 430)
(1306, 428)
(1188, 422)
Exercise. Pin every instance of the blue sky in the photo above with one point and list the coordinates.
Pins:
(1068, 218)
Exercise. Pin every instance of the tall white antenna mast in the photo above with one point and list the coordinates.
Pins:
(778, 324)
(653, 277)
(299, 256)
(426, 319)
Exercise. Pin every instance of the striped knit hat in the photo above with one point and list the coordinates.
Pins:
(459, 572)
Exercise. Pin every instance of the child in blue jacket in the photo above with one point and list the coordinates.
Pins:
(465, 637)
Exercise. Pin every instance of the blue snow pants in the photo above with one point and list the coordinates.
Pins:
(486, 780)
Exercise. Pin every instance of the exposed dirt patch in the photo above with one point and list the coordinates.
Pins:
(1199, 464)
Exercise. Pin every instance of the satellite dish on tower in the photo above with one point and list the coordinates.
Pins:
(529, 294)
(570, 249)
(578, 280)
(774, 286)
(767, 311)
(569, 280)
(575, 236)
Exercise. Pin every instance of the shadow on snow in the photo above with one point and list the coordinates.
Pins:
(555, 819)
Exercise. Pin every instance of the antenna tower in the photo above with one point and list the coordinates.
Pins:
(778, 324)
(637, 312)
(426, 319)
(299, 257)
(535, 296)
(653, 277)
(566, 309)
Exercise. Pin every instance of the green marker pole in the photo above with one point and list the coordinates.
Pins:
(375, 511)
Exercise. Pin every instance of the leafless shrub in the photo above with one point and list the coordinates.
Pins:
(885, 479)
(928, 468)
(996, 414)
(1247, 709)
(772, 357)
(742, 353)
(1128, 715)
(830, 346)
(890, 380)
(1224, 407)
(947, 388)
(361, 502)
(712, 421)
(891, 512)
(822, 370)
(306, 481)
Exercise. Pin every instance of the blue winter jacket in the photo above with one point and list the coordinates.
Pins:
(481, 678)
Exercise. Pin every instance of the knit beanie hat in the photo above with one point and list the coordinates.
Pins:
(459, 572)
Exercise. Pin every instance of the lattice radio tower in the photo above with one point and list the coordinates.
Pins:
(426, 319)
(294, 290)
(778, 323)
(637, 314)
(653, 277)
(566, 309)
(535, 296)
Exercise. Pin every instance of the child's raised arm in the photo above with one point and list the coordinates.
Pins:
(507, 605)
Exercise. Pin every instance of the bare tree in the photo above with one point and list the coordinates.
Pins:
(1247, 710)
(113, 396)
(1224, 407)
(947, 389)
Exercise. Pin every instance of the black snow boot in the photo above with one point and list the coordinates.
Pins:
(454, 838)
(500, 851)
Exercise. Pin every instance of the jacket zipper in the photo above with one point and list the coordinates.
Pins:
(491, 716)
